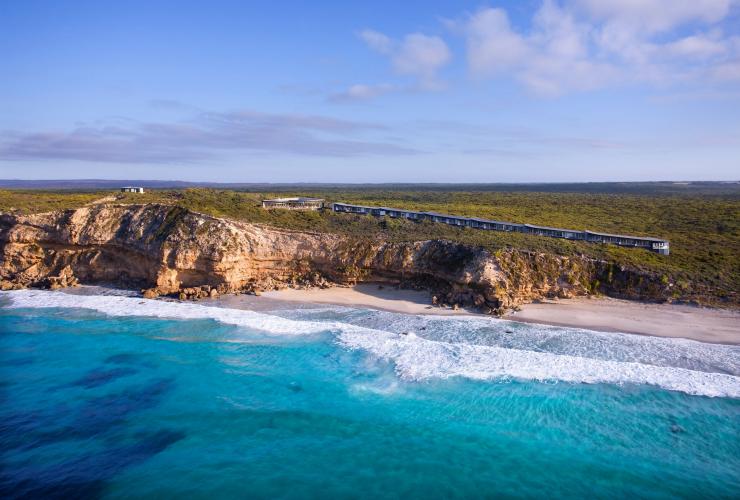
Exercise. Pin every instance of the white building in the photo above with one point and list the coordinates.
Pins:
(299, 203)
(132, 189)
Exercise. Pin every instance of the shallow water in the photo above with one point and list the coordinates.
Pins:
(132, 398)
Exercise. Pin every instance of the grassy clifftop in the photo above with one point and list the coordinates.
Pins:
(704, 228)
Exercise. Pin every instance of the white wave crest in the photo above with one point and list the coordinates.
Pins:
(418, 358)
(130, 306)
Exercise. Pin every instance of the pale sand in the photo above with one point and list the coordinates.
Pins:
(369, 296)
(602, 314)
(612, 315)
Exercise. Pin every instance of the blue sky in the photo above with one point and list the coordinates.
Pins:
(432, 91)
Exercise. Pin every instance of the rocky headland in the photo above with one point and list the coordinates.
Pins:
(167, 250)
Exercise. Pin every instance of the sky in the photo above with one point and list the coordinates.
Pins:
(381, 91)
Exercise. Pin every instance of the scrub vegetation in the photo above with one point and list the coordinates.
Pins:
(34, 201)
(703, 225)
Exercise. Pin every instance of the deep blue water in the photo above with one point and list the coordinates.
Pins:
(104, 404)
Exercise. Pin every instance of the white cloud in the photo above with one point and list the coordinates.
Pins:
(204, 136)
(418, 55)
(553, 58)
(588, 44)
(700, 45)
(362, 92)
(652, 16)
(422, 56)
(492, 45)
(728, 71)
(376, 41)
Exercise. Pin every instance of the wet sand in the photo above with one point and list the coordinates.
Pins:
(600, 314)
(613, 315)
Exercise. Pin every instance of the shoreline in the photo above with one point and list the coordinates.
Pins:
(606, 314)
(602, 314)
(719, 326)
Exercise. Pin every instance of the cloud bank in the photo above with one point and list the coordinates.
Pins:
(204, 136)
(572, 46)
(589, 44)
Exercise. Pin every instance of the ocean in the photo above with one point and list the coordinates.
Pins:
(115, 396)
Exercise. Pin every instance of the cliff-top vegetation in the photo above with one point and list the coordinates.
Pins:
(703, 227)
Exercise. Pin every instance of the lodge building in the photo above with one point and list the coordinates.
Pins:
(654, 244)
(294, 203)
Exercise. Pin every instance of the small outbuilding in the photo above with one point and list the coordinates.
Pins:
(298, 203)
(132, 189)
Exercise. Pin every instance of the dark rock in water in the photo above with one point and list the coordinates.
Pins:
(676, 429)
(86, 476)
(152, 443)
(98, 377)
(129, 359)
(509, 331)
(404, 333)
(32, 488)
(295, 387)
(100, 415)
(123, 358)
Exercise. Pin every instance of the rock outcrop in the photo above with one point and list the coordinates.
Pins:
(166, 250)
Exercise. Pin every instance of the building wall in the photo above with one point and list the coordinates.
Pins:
(660, 246)
(293, 205)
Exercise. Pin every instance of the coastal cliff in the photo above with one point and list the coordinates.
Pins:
(168, 250)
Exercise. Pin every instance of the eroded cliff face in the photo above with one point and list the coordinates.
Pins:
(169, 250)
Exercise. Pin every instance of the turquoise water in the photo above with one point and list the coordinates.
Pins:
(115, 402)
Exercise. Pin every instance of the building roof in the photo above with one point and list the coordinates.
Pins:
(489, 221)
(437, 214)
(299, 199)
(644, 238)
(552, 228)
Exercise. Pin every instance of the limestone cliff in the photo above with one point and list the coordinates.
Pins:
(169, 250)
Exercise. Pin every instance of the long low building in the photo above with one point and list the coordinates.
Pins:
(298, 203)
(658, 245)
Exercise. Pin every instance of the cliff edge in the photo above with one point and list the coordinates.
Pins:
(168, 250)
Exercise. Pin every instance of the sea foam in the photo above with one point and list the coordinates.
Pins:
(473, 348)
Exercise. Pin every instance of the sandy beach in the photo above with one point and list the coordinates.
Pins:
(370, 296)
(601, 314)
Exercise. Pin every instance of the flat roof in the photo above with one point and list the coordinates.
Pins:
(356, 206)
(279, 200)
(553, 228)
(645, 238)
(437, 214)
(489, 221)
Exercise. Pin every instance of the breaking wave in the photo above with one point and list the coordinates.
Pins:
(434, 347)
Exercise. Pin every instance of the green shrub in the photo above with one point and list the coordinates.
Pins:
(703, 225)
